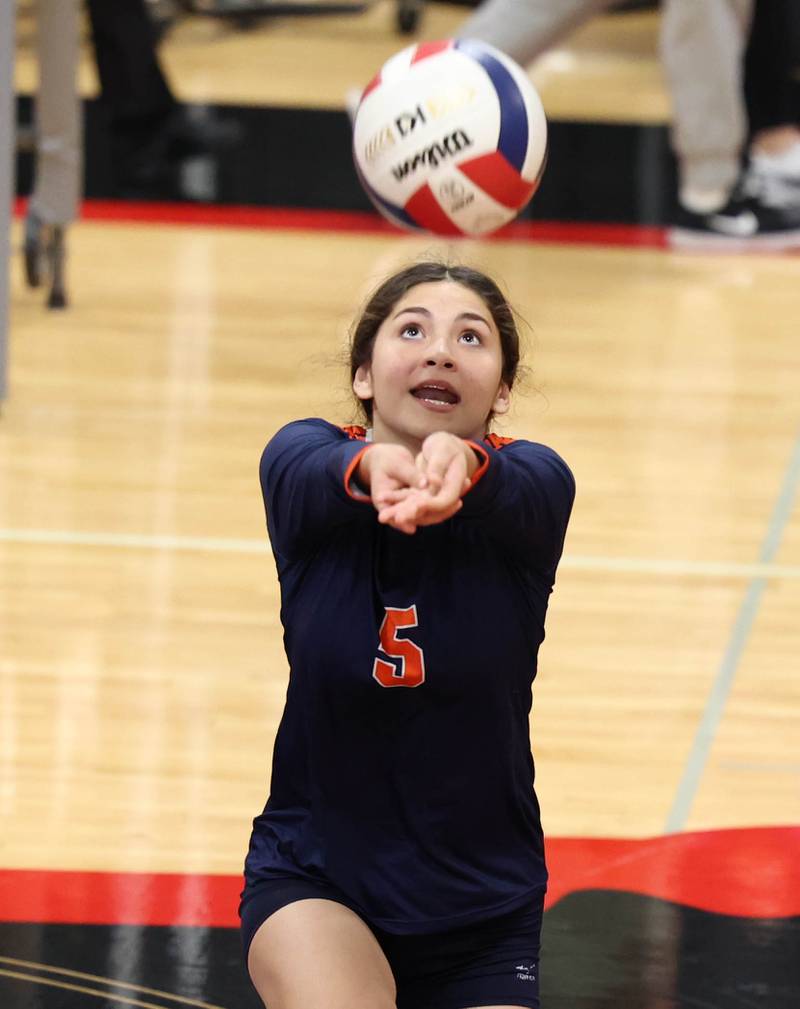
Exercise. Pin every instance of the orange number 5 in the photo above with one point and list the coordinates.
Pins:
(411, 670)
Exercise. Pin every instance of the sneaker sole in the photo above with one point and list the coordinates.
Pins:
(686, 238)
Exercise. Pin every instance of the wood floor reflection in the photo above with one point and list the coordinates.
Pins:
(143, 673)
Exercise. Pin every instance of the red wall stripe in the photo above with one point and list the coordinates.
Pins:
(356, 222)
(749, 872)
(118, 898)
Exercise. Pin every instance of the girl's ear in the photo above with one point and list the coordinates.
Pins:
(362, 382)
(502, 400)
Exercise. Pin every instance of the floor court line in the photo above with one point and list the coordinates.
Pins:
(737, 642)
(654, 566)
(33, 967)
(98, 993)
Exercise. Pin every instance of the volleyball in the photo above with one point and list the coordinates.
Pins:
(450, 137)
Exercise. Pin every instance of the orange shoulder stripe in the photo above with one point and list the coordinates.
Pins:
(497, 440)
(355, 432)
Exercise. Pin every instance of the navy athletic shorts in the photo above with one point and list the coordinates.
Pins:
(493, 962)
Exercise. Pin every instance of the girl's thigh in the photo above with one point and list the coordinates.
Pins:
(318, 954)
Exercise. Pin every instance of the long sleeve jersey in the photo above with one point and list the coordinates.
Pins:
(402, 769)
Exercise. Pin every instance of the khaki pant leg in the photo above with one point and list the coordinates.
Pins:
(702, 45)
(7, 147)
(59, 161)
(524, 29)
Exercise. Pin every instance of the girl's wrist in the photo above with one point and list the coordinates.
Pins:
(363, 470)
(473, 460)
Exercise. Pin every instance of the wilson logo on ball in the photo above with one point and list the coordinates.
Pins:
(435, 107)
(466, 133)
(447, 147)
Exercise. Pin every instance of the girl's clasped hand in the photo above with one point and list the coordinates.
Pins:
(409, 491)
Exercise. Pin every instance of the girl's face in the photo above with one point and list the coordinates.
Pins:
(436, 366)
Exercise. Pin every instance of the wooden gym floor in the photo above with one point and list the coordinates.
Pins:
(141, 666)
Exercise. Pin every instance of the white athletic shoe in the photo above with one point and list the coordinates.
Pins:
(775, 179)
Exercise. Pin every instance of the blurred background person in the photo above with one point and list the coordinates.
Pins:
(58, 175)
(772, 90)
(150, 132)
(702, 47)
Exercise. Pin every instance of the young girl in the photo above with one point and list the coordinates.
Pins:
(399, 860)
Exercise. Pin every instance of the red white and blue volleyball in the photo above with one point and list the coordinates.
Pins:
(450, 137)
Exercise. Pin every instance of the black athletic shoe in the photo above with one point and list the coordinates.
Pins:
(745, 222)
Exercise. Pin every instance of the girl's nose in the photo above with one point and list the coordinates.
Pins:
(439, 355)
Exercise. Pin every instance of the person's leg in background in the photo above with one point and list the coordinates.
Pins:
(703, 44)
(703, 47)
(134, 92)
(150, 132)
(7, 128)
(53, 204)
(524, 29)
(772, 89)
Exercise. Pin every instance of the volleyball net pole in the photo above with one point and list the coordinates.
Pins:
(7, 159)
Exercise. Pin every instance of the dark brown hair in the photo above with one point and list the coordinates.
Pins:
(395, 287)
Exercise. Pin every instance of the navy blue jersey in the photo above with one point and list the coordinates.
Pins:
(402, 771)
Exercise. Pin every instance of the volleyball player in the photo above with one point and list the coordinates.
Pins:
(399, 860)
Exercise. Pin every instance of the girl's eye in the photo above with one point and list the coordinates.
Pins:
(471, 338)
(412, 331)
